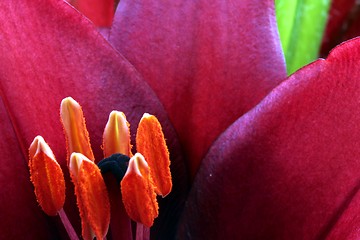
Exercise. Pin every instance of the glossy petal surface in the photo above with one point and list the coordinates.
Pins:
(49, 51)
(289, 169)
(208, 63)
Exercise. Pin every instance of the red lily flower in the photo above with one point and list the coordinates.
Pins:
(286, 169)
(49, 51)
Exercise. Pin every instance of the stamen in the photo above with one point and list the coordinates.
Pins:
(76, 134)
(46, 176)
(150, 142)
(67, 225)
(116, 137)
(138, 194)
(142, 232)
(117, 149)
(120, 223)
(92, 196)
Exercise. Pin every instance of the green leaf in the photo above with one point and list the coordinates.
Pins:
(301, 26)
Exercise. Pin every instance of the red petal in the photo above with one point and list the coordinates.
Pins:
(347, 226)
(338, 21)
(289, 169)
(354, 28)
(209, 63)
(49, 51)
(100, 12)
(19, 209)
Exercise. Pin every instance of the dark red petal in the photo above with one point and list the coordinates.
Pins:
(208, 63)
(354, 27)
(100, 12)
(337, 25)
(49, 51)
(21, 213)
(289, 169)
(347, 226)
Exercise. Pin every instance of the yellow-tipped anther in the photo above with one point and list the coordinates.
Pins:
(47, 177)
(150, 142)
(92, 197)
(116, 138)
(76, 134)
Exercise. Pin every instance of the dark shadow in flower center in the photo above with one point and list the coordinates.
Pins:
(117, 164)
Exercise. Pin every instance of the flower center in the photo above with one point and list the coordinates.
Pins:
(117, 164)
(140, 177)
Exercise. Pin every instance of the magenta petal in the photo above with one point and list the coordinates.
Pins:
(289, 169)
(49, 51)
(208, 63)
(19, 209)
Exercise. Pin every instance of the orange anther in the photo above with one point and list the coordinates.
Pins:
(76, 134)
(47, 177)
(92, 196)
(150, 142)
(116, 138)
(137, 191)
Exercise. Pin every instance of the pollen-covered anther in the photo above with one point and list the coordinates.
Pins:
(150, 142)
(76, 134)
(46, 176)
(92, 197)
(137, 191)
(116, 137)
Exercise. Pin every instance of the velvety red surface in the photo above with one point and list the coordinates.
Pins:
(208, 62)
(288, 169)
(49, 51)
(100, 12)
